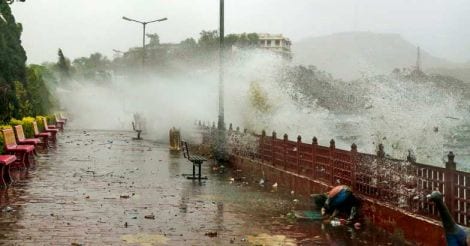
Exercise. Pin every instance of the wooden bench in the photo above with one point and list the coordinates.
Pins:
(5, 163)
(22, 140)
(44, 136)
(23, 153)
(196, 160)
(52, 131)
(63, 118)
(59, 123)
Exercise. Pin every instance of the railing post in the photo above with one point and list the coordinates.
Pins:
(380, 163)
(354, 161)
(314, 157)
(272, 147)
(381, 152)
(213, 134)
(449, 193)
(261, 145)
(299, 142)
(332, 161)
(284, 147)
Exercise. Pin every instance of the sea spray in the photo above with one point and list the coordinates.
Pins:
(401, 114)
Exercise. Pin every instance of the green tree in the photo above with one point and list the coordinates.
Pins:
(12, 62)
(209, 40)
(154, 40)
(25, 107)
(40, 97)
(63, 66)
(95, 67)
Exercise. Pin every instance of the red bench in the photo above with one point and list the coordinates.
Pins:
(52, 131)
(23, 153)
(59, 122)
(44, 136)
(63, 118)
(5, 161)
(22, 140)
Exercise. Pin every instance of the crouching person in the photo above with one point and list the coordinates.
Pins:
(339, 202)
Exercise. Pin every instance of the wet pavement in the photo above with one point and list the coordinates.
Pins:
(103, 188)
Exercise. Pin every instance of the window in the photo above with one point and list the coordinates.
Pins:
(278, 42)
(268, 43)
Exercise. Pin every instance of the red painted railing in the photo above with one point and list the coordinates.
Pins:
(400, 183)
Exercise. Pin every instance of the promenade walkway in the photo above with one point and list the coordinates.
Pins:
(102, 188)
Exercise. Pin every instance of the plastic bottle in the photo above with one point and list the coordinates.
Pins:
(335, 222)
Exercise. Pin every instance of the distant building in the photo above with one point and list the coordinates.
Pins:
(275, 42)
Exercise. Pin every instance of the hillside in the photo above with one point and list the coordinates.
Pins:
(348, 55)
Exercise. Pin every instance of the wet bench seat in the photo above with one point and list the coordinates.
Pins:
(44, 136)
(24, 153)
(59, 122)
(52, 131)
(5, 162)
(196, 160)
(22, 140)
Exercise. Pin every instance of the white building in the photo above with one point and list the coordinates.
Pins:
(275, 42)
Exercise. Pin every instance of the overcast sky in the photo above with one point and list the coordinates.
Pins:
(81, 27)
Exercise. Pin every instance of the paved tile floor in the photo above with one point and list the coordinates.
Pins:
(102, 188)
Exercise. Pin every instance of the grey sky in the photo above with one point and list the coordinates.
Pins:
(81, 27)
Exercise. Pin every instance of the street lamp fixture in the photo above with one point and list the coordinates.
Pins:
(11, 1)
(144, 24)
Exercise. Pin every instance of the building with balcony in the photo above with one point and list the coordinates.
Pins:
(275, 42)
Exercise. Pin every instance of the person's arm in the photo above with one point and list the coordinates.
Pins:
(352, 214)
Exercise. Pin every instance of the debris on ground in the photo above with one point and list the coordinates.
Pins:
(211, 234)
(124, 196)
(150, 216)
(7, 209)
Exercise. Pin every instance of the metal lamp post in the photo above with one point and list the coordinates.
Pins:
(220, 148)
(144, 24)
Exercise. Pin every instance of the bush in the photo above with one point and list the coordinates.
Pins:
(28, 127)
(40, 123)
(50, 119)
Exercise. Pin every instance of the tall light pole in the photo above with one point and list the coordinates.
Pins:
(220, 123)
(144, 24)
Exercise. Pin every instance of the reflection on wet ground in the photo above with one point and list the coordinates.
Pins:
(102, 188)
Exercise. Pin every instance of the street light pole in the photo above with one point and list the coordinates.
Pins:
(220, 123)
(220, 148)
(144, 24)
